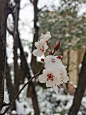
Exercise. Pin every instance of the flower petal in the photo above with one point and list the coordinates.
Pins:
(49, 83)
(56, 80)
(46, 36)
(66, 78)
(55, 87)
(37, 52)
(36, 44)
(42, 78)
(45, 47)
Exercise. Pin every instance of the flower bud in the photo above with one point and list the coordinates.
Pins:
(60, 57)
(56, 46)
(42, 59)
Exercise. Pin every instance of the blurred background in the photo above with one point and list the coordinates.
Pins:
(66, 21)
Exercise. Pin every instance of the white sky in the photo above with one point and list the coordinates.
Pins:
(26, 23)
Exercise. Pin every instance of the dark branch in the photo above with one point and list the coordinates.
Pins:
(10, 8)
(21, 91)
(80, 89)
(41, 8)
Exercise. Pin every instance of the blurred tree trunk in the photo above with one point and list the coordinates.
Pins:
(3, 19)
(16, 68)
(68, 60)
(10, 86)
(35, 38)
(80, 89)
(31, 88)
(24, 69)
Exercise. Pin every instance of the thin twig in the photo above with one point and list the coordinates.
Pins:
(20, 92)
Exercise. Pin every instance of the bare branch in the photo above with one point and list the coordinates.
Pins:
(32, 2)
(42, 8)
(21, 91)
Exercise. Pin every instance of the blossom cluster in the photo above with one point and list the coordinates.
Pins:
(54, 74)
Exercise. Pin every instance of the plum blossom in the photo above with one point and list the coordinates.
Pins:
(41, 48)
(50, 78)
(46, 36)
(53, 63)
(63, 75)
(54, 74)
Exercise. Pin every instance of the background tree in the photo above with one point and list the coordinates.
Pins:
(22, 70)
(67, 26)
(3, 19)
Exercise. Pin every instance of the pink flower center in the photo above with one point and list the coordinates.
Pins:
(42, 49)
(53, 60)
(50, 77)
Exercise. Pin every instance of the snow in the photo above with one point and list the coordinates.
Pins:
(49, 102)
(23, 108)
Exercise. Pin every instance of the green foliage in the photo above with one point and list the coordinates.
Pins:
(29, 113)
(25, 106)
(40, 66)
(63, 112)
(47, 114)
(65, 24)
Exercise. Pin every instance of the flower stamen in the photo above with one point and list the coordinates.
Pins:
(53, 60)
(50, 77)
(42, 48)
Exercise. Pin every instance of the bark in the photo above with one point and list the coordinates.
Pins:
(10, 86)
(3, 18)
(68, 59)
(80, 89)
(16, 68)
(35, 38)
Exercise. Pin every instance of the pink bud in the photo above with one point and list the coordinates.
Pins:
(42, 59)
(60, 57)
(56, 46)
(50, 52)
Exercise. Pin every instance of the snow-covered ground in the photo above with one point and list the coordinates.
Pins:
(49, 102)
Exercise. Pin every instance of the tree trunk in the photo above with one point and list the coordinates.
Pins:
(31, 87)
(16, 68)
(3, 18)
(35, 39)
(80, 89)
(26, 69)
(10, 86)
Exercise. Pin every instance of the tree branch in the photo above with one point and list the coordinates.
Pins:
(21, 91)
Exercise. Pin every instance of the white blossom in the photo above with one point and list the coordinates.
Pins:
(41, 48)
(50, 78)
(53, 63)
(46, 36)
(63, 75)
